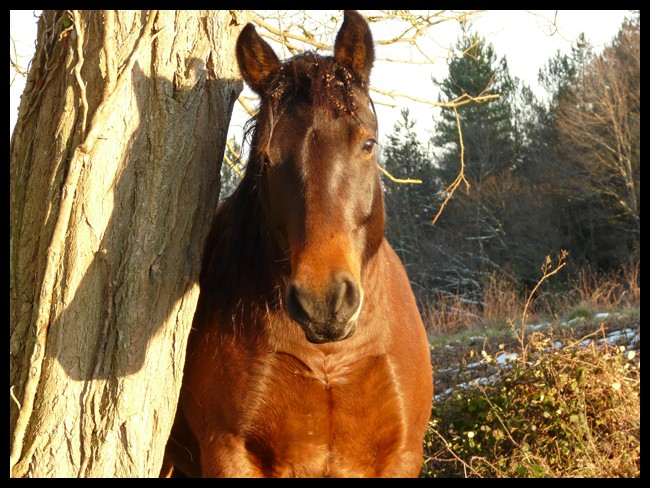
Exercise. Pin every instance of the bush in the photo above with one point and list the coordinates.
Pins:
(567, 412)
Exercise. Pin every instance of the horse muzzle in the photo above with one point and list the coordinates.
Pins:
(329, 315)
(320, 334)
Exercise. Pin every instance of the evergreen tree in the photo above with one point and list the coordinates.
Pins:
(583, 151)
(598, 126)
(474, 220)
(487, 127)
(564, 74)
(408, 206)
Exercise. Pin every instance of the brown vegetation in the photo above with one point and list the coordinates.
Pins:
(571, 409)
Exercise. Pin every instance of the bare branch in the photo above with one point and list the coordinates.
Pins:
(249, 109)
(458, 102)
(408, 28)
(547, 272)
(235, 153)
(233, 166)
(398, 180)
(13, 62)
(283, 35)
(461, 174)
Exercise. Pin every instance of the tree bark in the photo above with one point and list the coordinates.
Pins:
(114, 178)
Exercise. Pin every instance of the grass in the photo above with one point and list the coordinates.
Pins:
(564, 403)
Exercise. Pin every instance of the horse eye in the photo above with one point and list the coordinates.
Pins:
(369, 145)
(266, 163)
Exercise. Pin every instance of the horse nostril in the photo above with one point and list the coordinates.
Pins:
(299, 305)
(344, 297)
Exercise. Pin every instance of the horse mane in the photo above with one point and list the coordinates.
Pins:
(240, 258)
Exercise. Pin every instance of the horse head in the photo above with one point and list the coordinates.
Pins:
(313, 151)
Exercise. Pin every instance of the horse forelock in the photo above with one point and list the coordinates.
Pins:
(319, 79)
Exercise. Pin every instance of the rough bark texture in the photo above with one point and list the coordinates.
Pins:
(114, 178)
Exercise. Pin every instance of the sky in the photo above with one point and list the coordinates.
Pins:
(524, 37)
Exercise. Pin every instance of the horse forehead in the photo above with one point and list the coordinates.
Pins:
(324, 132)
(315, 130)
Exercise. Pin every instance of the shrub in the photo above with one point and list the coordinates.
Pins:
(567, 412)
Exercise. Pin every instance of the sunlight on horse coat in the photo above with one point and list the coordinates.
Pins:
(308, 357)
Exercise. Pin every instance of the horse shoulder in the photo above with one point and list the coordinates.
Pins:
(408, 353)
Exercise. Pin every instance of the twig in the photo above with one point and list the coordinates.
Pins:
(451, 451)
(285, 34)
(233, 166)
(458, 102)
(398, 180)
(461, 175)
(242, 101)
(561, 263)
(235, 153)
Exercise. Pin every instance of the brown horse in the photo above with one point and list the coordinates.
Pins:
(308, 357)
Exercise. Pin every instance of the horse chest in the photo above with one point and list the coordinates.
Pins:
(331, 419)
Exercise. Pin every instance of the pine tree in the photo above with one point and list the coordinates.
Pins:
(598, 125)
(408, 206)
(490, 146)
(487, 127)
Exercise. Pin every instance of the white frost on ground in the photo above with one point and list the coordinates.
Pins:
(628, 337)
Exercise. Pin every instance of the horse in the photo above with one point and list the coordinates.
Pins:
(307, 355)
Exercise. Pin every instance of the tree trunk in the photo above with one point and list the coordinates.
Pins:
(114, 177)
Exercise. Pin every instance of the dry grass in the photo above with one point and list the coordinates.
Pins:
(573, 412)
(502, 301)
(447, 313)
(609, 292)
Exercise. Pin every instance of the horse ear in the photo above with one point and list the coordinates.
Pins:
(256, 59)
(354, 48)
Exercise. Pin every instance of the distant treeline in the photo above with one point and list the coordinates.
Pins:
(536, 175)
